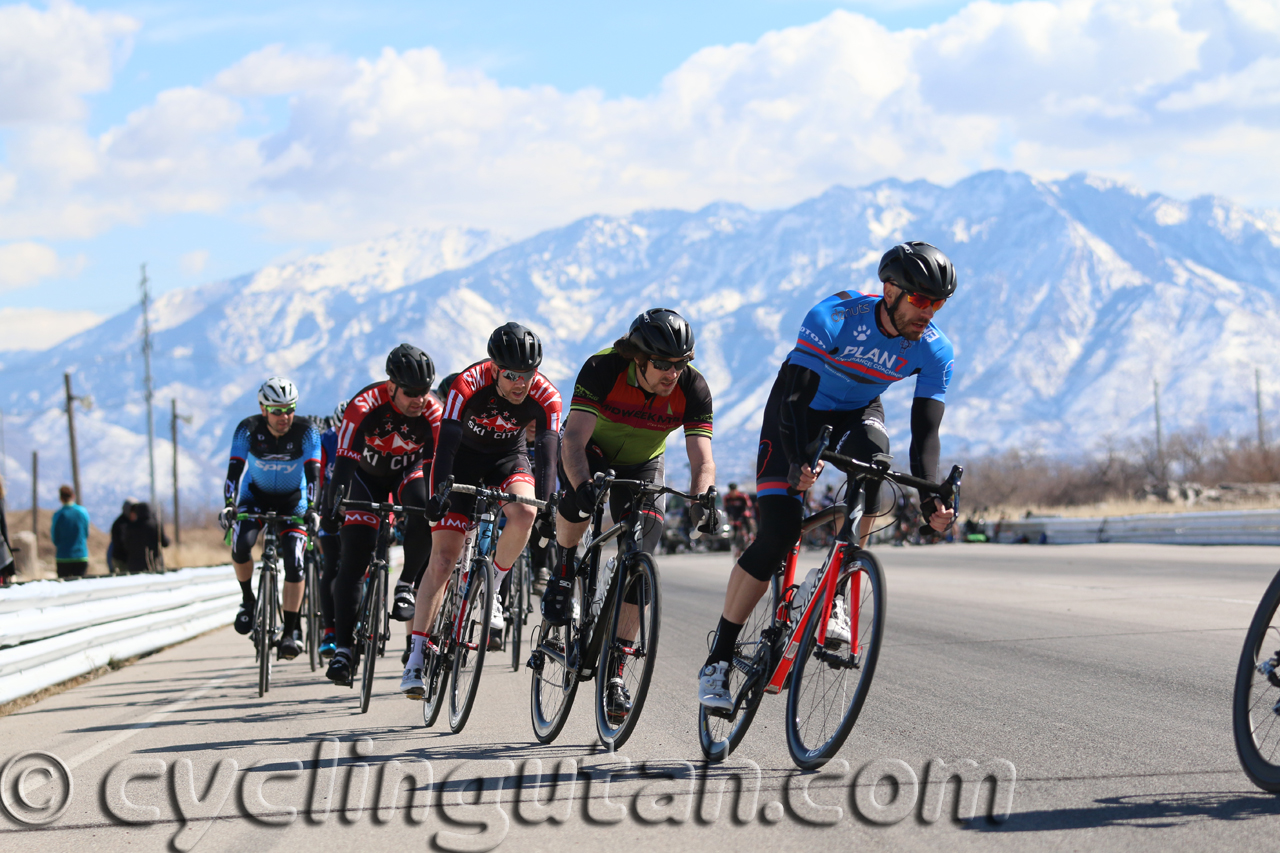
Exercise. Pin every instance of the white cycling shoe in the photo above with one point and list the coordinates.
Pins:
(411, 683)
(838, 624)
(713, 687)
(497, 622)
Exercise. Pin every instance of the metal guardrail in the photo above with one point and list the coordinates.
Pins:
(1242, 527)
(51, 631)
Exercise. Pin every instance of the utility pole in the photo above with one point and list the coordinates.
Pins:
(87, 402)
(174, 417)
(4, 457)
(1257, 390)
(146, 358)
(35, 491)
(1159, 439)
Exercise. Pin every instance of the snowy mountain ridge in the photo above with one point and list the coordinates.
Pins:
(1074, 295)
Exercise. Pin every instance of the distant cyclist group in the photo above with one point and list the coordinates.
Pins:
(496, 436)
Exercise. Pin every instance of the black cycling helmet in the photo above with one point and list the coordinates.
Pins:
(662, 333)
(514, 347)
(919, 268)
(442, 390)
(410, 367)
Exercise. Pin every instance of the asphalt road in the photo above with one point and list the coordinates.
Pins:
(1102, 674)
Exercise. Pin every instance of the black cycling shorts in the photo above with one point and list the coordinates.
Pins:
(473, 468)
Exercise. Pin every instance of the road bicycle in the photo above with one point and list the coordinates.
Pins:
(373, 620)
(785, 644)
(460, 633)
(1255, 702)
(613, 635)
(267, 615)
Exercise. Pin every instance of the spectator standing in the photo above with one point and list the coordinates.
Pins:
(143, 540)
(118, 551)
(70, 531)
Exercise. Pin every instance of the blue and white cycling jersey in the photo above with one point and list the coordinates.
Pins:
(841, 342)
(265, 466)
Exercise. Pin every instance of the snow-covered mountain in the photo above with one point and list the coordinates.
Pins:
(1074, 295)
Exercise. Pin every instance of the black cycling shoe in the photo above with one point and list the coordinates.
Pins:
(291, 644)
(339, 671)
(540, 580)
(403, 604)
(557, 601)
(617, 701)
(244, 619)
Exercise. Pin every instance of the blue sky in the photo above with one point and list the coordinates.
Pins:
(211, 139)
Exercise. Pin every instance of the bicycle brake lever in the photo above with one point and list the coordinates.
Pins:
(818, 445)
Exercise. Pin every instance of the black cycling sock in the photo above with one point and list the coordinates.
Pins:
(292, 620)
(568, 562)
(246, 589)
(726, 637)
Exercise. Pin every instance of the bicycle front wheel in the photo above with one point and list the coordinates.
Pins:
(628, 652)
(830, 680)
(376, 603)
(516, 596)
(555, 677)
(1255, 707)
(749, 671)
(435, 663)
(265, 626)
(472, 636)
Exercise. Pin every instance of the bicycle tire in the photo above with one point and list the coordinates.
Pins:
(555, 684)
(373, 629)
(311, 603)
(639, 580)
(819, 686)
(264, 623)
(749, 671)
(472, 642)
(1254, 719)
(435, 664)
(520, 581)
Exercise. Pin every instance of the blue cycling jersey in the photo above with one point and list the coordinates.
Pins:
(841, 342)
(273, 466)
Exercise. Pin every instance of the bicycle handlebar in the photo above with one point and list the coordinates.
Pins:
(878, 470)
(382, 508)
(495, 494)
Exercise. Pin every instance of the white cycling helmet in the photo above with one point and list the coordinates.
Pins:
(278, 391)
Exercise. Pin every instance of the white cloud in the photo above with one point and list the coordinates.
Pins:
(23, 264)
(51, 58)
(272, 71)
(41, 328)
(1139, 89)
(193, 263)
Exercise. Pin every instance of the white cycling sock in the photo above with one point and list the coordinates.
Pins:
(417, 653)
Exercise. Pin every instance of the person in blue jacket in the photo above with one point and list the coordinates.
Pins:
(70, 532)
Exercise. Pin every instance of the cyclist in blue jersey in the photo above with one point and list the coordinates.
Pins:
(851, 347)
(275, 465)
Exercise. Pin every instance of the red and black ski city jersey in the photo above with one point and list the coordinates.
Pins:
(383, 440)
(486, 422)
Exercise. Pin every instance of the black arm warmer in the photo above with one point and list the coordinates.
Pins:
(343, 468)
(231, 489)
(547, 448)
(800, 386)
(926, 416)
(312, 471)
(446, 449)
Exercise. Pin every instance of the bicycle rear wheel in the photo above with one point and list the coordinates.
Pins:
(749, 672)
(311, 608)
(265, 625)
(1255, 707)
(436, 664)
(636, 609)
(372, 617)
(830, 682)
(555, 680)
(472, 626)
